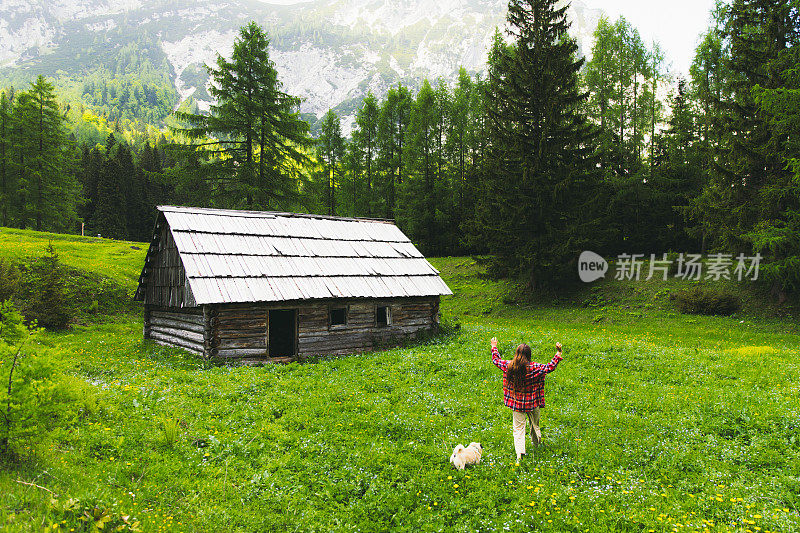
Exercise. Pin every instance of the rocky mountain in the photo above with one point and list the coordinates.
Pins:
(330, 52)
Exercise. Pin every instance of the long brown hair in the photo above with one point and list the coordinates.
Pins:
(518, 368)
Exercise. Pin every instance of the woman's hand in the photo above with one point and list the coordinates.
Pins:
(558, 347)
(494, 342)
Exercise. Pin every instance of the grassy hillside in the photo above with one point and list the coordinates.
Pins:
(655, 421)
(119, 260)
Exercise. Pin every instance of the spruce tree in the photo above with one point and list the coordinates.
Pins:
(677, 176)
(156, 190)
(394, 118)
(92, 165)
(251, 143)
(50, 305)
(420, 203)
(538, 212)
(353, 189)
(751, 199)
(7, 186)
(132, 192)
(457, 143)
(45, 171)
(331, 148)
(777, 234)
(365, 139)
(109, 216)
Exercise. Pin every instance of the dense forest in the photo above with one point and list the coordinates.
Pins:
(546, 155)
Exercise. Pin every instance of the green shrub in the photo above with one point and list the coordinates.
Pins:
(449, 325)
(52, 294)
(706, 301)
(89, 515)
(31, 396)
(49, 302)
(9, 279)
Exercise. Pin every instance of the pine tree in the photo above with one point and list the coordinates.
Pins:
(365, 138)
(541, 175)
(745, 65)
(251, 143)
(50, 304)
(156, 189)
(621, 78)
(91, 165)
(677, 176)
(132, 191)
(45, 173)
(457, 143)
(476, 168)
(109, 216)
(7, 186)
(777, 234)
(420, 200)
(352, 184)
(747, 155)
(331, 148)
(393, 124)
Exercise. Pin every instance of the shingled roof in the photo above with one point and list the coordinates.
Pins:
(254, 256)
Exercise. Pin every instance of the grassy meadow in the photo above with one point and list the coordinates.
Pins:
(655, 422)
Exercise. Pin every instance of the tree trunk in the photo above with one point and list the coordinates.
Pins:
(369, 176)
(39, 184)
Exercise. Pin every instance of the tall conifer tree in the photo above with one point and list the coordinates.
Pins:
(394, 118)
(251, 142)
(365, 139)
(331, 149)
(420, 201)
(537, 209)
(751, 200)
(44, 164)
(7, 186)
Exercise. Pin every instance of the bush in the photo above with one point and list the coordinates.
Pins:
(89, 515)
(9, 279)
(30, 398)
(54, 295)
(449, 325)
(49, 304)
(705, 301)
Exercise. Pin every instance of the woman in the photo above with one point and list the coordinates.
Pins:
(523, 390)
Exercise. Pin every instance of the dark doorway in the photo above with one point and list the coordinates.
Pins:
(282, 333)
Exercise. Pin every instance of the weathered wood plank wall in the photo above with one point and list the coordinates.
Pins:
(166, 282)
(240, 331)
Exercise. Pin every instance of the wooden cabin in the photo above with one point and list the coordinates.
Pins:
(256, 286)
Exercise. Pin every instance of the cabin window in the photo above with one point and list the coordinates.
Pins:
(383, 316)
(338, 316)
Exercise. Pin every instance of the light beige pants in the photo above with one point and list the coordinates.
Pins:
(519, 420)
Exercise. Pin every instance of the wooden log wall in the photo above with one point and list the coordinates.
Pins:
(181, 327)
(242, 329)
(238, 332)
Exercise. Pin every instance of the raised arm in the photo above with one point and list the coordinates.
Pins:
(538, 369)
(499, 363)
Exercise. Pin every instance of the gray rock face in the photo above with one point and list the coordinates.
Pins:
(329, 52)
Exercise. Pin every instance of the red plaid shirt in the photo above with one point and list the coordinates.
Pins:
(532, 395)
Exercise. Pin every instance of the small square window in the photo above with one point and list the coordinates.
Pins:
(383, 316)
(338, 316)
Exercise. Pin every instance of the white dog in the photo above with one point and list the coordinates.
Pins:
(471, 455)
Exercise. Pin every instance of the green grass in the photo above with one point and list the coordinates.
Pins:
(119, 260)
(654, 421)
